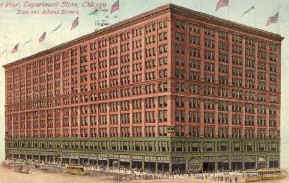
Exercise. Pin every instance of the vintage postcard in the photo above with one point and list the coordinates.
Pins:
(149, 91)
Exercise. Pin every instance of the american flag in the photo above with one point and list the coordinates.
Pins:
(57, 27)
(15, 49)
(2, 53)
(74, 23)
(42, 37)
(222, 3)
(273, 19)
(115, 6)
(248, 10)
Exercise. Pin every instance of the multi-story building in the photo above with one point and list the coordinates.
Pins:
(169, 89)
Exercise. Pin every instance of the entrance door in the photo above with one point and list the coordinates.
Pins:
(250, 165)
(209, 166)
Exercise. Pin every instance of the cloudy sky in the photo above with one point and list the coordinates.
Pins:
(21, 22)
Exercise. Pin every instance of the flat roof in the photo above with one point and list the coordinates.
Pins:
(154, 13)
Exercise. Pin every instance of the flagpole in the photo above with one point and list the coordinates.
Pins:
(228, 10)
(255, 14)
(279, 24)
(6, 54)
(18, 52)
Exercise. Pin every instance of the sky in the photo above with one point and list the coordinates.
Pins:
(21, 23)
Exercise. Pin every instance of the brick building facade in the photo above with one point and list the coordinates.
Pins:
(168, 89)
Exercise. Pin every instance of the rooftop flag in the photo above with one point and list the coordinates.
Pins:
(221, 4)
(57, 27)
(94, 12)
(27, 42)
(115, 6)
(42, 37)
(74, 23)
(3, 52)
(273, 19)
(15, 49)
(248, 10)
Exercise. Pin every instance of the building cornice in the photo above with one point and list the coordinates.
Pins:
(151, 14)
(224, 23)
(109, 29)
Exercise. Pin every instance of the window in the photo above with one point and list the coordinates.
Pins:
(237, 71)
(194, 132)
(236, 133)
(209, 132)
(209, 55)
(223, 58)
(223, 118)
(163, 115)
(209, 91)
(237, 38)
(209, 105)
(180, 116)
(194, 117)
(149, 116)
(163, 24)
(163, 61)
(223, 106)
(163, 87)
(195, 64)
(223, 35)
(249, 52)
(180, 74)
(162, 101)
(194, 28)
(180, 36)
(124, 118)
(223, 133)
(209, 67)
(195, 52)
(180, 49)
(195, 40)
(237, 82)
(236, 107)
(163, 36)
(236, 119)
(136, 117)
(273, 77)
(194, 89)
(223, 92)
(250, 63)
(223, 80)
(209, 43)
(180, 62)
(261, 121)
(180, 24)
(163, 48)
(262, 44)
(237, 49)
(179, 101)
(210, 78)
(273, 57)
(194, 103)
(180, 87)
(249, 108)
(209, 32)
(149, 102)
(250, 74)
(209, 117)
(236, 60)
(249, 120)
